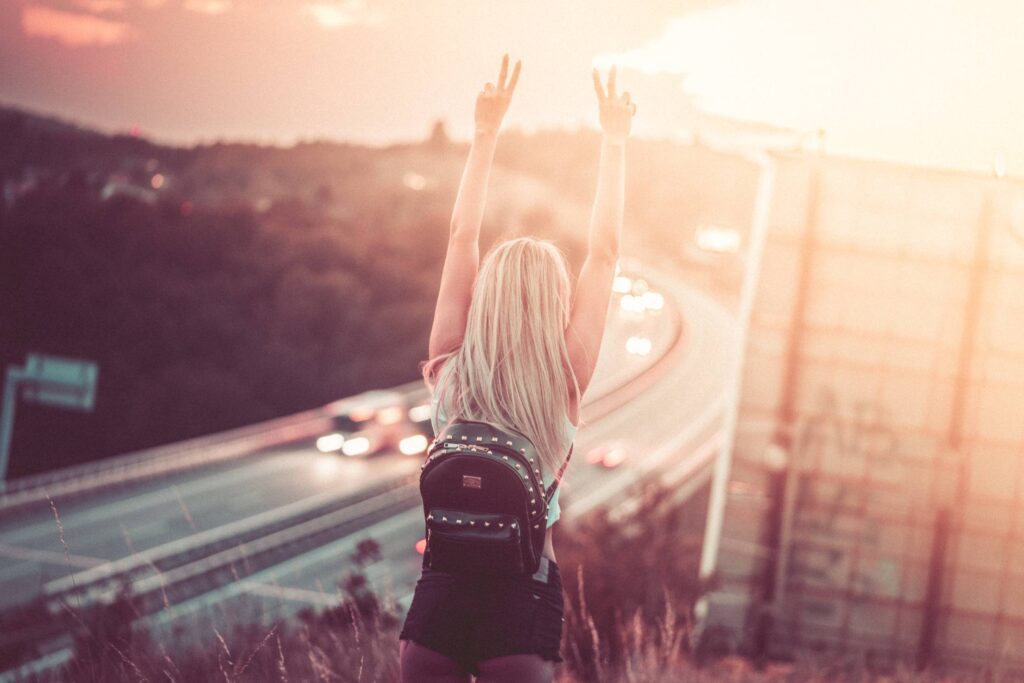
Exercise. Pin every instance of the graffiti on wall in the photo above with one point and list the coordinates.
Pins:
(844, 450)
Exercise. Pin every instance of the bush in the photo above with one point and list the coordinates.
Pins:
(630, 583)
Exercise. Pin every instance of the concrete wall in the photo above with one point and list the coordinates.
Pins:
(885, 362)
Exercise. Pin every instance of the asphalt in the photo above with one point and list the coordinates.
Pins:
(36, 548)
(666, 422)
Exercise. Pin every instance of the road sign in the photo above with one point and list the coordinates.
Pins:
(49, 380)
(64, 382)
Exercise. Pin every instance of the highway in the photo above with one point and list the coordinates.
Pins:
(670, 419)
(261, 536)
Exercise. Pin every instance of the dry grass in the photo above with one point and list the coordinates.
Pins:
(629, 587)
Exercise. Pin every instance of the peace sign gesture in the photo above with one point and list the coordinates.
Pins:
(492, 102)
(616, 111)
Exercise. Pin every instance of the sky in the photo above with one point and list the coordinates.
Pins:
(928, 82)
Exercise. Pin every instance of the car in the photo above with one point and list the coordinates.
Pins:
(717, 248)
(638, 345)
(413, 443)
(352, 445)
(359, 429)
(375, 422)
(609, 454)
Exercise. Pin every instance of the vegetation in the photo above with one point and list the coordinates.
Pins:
(617, 628)
(221, 285)
(257, 282)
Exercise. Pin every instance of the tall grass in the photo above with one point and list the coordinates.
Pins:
(629, 587)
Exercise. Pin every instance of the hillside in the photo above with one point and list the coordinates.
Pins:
(221, 285)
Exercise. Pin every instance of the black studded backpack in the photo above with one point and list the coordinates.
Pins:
(484, 502)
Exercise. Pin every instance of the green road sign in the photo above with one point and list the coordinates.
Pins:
(49, 380)
(64, 382)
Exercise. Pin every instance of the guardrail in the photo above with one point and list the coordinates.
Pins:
(174, 457)
(166, 575)
(97, 581)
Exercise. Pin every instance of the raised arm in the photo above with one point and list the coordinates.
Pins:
(616, 113)
(463, 257)
(594, 285)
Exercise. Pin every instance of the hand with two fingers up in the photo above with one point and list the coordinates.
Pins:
(616, 111)
(493, 101)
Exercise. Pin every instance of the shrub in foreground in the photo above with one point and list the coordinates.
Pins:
(630, 582)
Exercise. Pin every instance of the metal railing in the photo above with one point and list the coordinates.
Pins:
(190, 453)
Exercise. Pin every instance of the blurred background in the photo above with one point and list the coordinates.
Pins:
(222, 229)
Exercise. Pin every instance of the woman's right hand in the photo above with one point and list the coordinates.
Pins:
(492, 102)
(616, 111)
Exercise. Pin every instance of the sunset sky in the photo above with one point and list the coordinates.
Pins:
(930, 82)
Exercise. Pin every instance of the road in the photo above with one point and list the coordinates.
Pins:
(154, 518)
(259, 537)
(669, 419)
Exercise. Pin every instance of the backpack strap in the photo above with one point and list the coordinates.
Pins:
(558, 477)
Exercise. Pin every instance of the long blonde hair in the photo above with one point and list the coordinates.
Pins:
(512, 368)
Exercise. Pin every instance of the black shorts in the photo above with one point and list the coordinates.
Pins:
(470, 618)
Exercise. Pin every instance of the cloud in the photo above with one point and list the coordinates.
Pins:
(805, 62)
(73, 29)
(934, 83)
(102, 6)
(334, 14)
(208, 6)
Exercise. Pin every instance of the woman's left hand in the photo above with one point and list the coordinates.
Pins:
(616, 111)
(492, 102)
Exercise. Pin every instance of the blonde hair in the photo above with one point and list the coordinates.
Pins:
(512, 368)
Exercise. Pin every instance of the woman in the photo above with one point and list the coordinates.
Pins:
(506, 348)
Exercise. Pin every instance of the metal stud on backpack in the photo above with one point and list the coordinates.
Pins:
(484, 503)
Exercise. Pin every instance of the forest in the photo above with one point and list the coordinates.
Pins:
(216, 286)
(224, 284)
